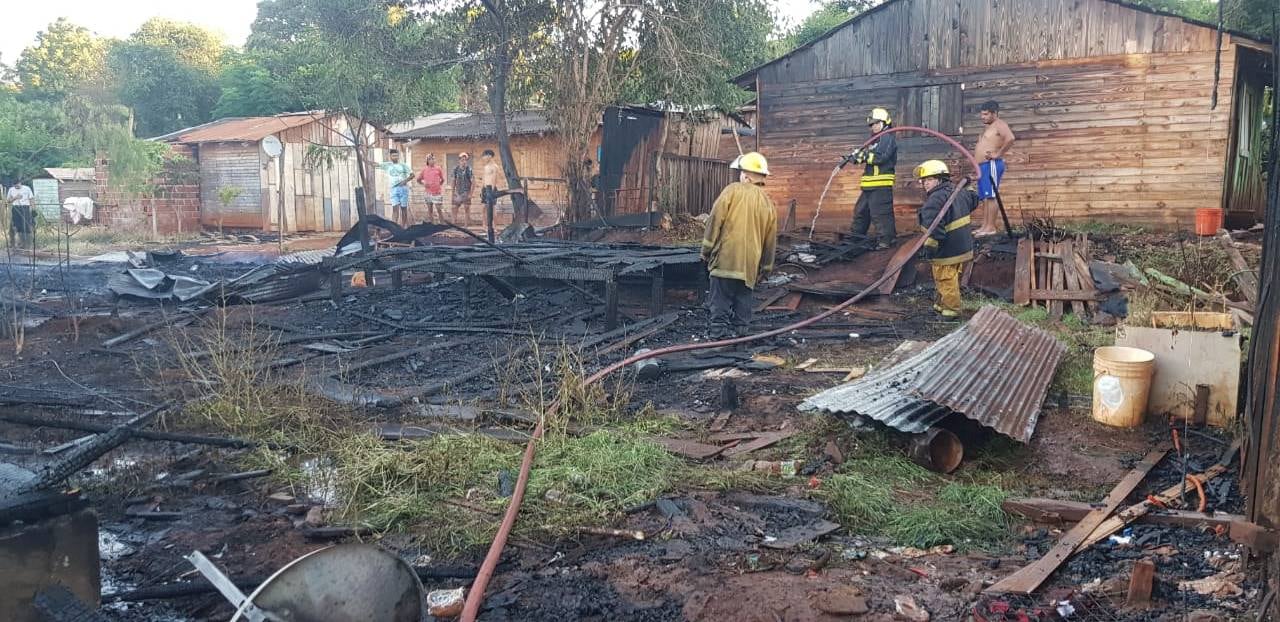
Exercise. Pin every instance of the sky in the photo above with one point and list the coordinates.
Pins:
(230, 18)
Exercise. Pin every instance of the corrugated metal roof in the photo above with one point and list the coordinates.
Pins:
(994, 370)
(427, 121)
(233, 129)
(478, 125)
(71, 174)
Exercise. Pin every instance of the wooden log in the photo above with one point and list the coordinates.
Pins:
(1026, 580)
(85, 426)
(1246, 277)
(1140, 582)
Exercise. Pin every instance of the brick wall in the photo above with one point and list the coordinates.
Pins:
(175, 202)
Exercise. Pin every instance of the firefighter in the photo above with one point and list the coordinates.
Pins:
(739, 244)
(875, 203)
(950, 245)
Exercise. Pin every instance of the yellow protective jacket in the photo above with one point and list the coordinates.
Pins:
(741, 234)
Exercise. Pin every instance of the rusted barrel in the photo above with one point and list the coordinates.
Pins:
(937, 450)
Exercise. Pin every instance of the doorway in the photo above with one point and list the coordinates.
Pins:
(1246, 194)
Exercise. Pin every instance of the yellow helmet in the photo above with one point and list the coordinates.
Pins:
(932, 168)
(879, 114)
(751, 162)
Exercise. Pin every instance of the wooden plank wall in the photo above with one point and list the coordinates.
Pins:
(535, 155)
(1125, 133)
(318, 198)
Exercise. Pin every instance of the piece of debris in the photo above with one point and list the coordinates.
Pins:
(314, 517)
(1140, 583)
(692, 450)
(446, 603)
(764, 440)
(907, 609)
(843, 600)
(912, 552)
(1221, 585)
(281, 497)
(833, 453)
(795, 536)
(946, 377)
(616, 533)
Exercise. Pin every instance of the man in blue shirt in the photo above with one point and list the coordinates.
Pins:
(399, 174)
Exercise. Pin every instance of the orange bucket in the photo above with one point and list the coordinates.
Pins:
(1208, 220)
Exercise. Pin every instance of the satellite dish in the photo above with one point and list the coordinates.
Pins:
(272, 147)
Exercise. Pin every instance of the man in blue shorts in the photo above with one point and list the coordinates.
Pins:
(399, 174)
(995, 141)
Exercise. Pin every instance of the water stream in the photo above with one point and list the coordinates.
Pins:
(816, 212)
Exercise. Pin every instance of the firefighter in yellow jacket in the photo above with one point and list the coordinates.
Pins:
(950, 245)
(739, 244)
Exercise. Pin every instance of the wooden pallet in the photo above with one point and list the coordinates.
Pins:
(1056, 276)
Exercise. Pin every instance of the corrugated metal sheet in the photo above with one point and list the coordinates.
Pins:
(240, 128)
(481, 126)
(71, 174)
(994, 370)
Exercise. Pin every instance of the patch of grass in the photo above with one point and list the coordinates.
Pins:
(95, 240)
(859, 502)
(893, 468)
(1093, 227)
(964, 515)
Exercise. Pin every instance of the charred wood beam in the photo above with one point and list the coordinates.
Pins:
(197, 588)
(151, 435)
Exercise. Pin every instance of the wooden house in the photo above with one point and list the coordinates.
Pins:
(1122, 113)
(694, 164)
(311, 185)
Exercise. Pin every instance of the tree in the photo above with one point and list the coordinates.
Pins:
(364, 60)
(167, 72)
(820, 22)
(249, 89)
(64, 58)
(34, 134)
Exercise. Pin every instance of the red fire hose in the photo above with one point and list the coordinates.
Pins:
(475, 597)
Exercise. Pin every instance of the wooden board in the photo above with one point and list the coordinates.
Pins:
(1057, 512)
(1058, 282)
(1022, 273)
(1051, 295)
(1026, 580)
(1066, 251)
(903, 255)
(760, 443)
(1132, 513)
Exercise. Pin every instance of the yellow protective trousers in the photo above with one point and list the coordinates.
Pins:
(946, 280)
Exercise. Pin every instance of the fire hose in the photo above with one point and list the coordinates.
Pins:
(475, 597)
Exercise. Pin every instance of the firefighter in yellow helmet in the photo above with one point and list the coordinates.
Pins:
(739, 244)
(875, 201)
(950, 245)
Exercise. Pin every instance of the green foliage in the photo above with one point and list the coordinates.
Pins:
(815, 25)
(248, 89)
(64, 58)
(34, 134)
(1250, 16)
(228, 195)
(716, 39)
(167, 72)
(365, 58)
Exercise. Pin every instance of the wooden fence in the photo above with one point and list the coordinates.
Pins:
(689, 185)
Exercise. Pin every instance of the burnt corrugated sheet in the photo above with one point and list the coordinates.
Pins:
(994, 370)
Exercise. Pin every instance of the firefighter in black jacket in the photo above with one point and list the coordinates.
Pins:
(875, 203)
(950, 245)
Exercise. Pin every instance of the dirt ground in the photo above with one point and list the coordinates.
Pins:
(706, 555)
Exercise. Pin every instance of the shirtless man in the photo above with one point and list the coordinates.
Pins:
(489, 190)
(995, 141)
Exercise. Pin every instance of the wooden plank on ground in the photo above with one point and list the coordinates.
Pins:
(775, 297)
(790, 302)
(1056, 295)
(760, 443)
(1057, 512)
(1170, 496)
(1022, 273)
(904, 256)
(689, 449)
(1027, 579)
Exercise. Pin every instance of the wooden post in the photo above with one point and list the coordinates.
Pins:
(335, 284)
(1201, 412)
(1144, 574)
(657, 289)
(611, 304)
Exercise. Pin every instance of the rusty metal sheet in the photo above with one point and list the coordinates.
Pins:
(994, 370)
(234, 129)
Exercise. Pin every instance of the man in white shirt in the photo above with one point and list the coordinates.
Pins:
(21, 220)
